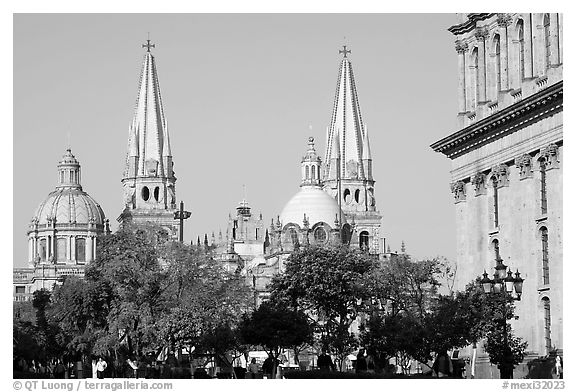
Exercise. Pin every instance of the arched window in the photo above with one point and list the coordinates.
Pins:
(547, 40)
(145, 193)
(364, 240)
(547, 324)
(320, 235)
(347, 196)
(496, 83)
(156, 193)
(42, 249)
(474, 80)
(61, 249)
(545, 260)
(543, 191)
(495, 199)
(313, 172)
(521, 60)
(307, 172)
(81, 249)
(293, 236)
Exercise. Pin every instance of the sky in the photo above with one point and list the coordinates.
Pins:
(242, 93)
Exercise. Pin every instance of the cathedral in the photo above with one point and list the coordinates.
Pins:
(507, 165)
(335, 203)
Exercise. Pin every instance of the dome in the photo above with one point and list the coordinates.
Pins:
(69, 206)
(315, 203)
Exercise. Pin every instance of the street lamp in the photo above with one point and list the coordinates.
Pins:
(504, 284)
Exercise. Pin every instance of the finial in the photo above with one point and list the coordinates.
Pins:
(345, 51)
(148, 45)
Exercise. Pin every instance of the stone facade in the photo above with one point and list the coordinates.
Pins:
(507, 161)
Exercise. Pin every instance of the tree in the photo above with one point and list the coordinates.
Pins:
(403, 297)
(326, 283)
(275, 326)
(80, 308)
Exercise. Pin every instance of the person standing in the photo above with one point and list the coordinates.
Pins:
(268, 366)
(558, 367)
(325, 362)
(253, 369)
(443, 365)
(101, 366)
(361, 365)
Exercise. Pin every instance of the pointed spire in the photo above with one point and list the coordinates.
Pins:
(346, 131)
(366, 152)
(148, 136)
(205, 240)
(198, 241)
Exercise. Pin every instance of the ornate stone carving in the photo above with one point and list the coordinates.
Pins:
(524, 163)
(481, 33)
(458, 188)
(352, 169)
(461, 46)
(479, 182)
(171, 194)
(502, 174)
(504, 20)
(550, 154)
(129, 191)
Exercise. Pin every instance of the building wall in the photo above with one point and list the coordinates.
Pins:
(510, 116)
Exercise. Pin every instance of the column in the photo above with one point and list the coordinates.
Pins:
(528, 43)
(30, 249)
(538, 47)
(461, 48)
(69, 247)
(554, 45)
(504, 21)
(73, 247)
(560, 35)
(481, 35)
(94, 249)
(48, 244)
(88, 250)
(34, 247)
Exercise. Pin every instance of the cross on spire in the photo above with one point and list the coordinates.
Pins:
(345, 51)
(148, 45)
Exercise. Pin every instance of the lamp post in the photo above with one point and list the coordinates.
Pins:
(503, 283)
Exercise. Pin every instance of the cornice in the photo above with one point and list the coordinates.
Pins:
(506, 121)
(470, 24)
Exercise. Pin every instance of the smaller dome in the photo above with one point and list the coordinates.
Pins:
(68, 158)
(315, 203)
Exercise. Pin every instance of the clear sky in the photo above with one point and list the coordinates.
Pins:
(240, 93)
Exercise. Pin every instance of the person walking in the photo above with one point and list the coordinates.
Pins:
(253, 369)
(101, 366)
